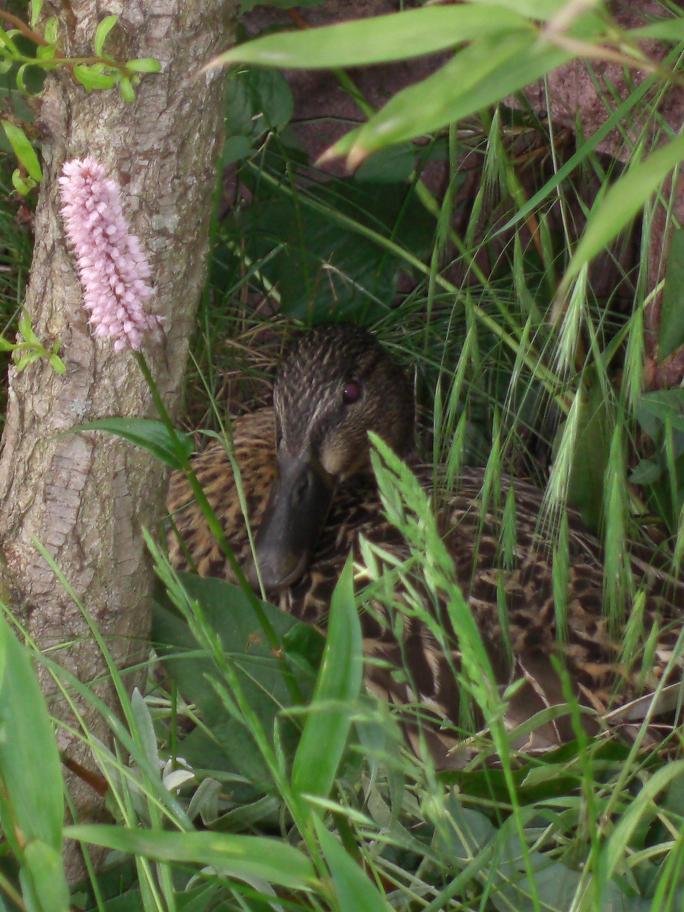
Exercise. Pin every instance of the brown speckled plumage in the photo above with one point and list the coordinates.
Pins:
(591, 653)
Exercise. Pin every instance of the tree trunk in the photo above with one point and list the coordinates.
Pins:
(85, 497)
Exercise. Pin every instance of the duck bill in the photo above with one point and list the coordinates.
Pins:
(296, 511)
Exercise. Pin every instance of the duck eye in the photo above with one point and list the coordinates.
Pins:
(351, 392)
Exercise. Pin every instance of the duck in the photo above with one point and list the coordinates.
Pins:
(307, 497)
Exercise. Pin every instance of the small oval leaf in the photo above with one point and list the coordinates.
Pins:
(144, 65)
(23, 149)
(93, 77)
(102, 31)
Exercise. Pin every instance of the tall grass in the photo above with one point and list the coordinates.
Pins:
(226, 792)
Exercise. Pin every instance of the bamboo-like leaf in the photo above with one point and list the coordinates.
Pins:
(376, 39)
(325, 732)
(272, 860)
(486, 71)
(153, 436)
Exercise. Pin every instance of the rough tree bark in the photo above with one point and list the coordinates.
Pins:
(86, 497)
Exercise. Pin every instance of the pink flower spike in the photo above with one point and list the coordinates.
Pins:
(112, 266)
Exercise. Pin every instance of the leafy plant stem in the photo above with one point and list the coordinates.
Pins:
(216, 530)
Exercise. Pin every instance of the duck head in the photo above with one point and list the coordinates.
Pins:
(336, 384)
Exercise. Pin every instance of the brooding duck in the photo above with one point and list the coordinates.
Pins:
(309, 495)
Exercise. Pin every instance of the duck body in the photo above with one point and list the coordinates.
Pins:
(301, 582)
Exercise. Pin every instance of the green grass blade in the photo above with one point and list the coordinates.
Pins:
(31, 789)
(354, 891)
(272, 860)
(32, 800)
(618, 842)
(325, 732)
(46, 870)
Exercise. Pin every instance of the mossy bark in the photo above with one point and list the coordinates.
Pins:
(86, 497)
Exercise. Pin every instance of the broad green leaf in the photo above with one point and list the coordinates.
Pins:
(227, 610)
(659, 406)
(622, 202)
(257, 100)
(272, 860)
(46, 870)
(327, 269)
(376, 39)
(31, 795)
(173, 449)
(646, 472)
(144, 65)
(101, 32)
(672, 307)
(337, 688)
(23, 149)
(555, 884)
(235, 148)
(353, 889)
(93, 77)
(482, 73)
